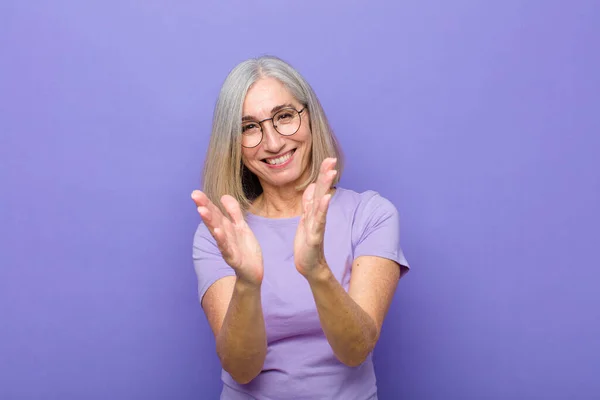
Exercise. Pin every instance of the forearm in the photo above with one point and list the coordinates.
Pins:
(350, 331)
(241, 341)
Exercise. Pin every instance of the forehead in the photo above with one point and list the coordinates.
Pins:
(265, 94)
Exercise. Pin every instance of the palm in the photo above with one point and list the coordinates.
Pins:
(240, 249)
(236, 241)
(308, 246)
(308, 243)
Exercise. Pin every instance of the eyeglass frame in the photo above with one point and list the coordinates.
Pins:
(262, 132)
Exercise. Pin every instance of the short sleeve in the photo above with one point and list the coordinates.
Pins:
(208, 261)
(376, 229)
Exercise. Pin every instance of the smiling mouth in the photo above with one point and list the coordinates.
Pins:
(279, 159)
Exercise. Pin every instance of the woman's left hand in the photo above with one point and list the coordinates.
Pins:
(309, 254)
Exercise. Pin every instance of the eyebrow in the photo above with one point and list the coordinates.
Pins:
(273, 111)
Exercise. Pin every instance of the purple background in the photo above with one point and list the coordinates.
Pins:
(480, 121)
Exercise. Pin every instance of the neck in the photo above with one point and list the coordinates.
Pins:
(278, 202)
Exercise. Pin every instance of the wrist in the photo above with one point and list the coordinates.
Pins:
(320, 274)
(245, 285)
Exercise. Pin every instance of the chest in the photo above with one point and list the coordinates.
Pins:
(288, 304)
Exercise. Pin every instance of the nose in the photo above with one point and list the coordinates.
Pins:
(273, 141)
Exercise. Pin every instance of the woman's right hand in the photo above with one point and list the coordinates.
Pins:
(236, 241)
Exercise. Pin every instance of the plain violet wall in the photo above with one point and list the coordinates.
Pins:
(480, 120)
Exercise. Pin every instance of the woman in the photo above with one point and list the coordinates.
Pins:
(295, 274)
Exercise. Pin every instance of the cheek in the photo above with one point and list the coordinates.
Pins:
(304, 135)
(247, 154)
(247, 159)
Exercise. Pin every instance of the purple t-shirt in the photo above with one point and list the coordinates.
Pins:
(300, 364)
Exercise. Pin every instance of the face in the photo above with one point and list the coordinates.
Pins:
(278, 161)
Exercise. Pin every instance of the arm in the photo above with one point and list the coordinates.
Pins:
(234, 312)
(232, 304)
(352, 320)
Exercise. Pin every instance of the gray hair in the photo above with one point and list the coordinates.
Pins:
(224, 172)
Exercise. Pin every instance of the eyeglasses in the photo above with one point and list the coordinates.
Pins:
(285, 121)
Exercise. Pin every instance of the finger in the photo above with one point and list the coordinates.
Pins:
(214, 224)
(202, 200)
(208, 218)
(321, 215)
(205, 214)
(308, 199)
(222, 242)
(319, 190)
(217, 228)
(324, 187)
(325, 179)
(233, 208)
(328, 164)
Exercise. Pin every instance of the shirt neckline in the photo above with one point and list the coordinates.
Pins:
(287, 220)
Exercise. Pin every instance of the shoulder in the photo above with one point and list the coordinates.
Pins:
(202, 232)
(362, 204)
(366, 212)
(203, 240)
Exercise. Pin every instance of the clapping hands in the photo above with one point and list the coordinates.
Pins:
(309, 254)
(238, 245)
(240, 248)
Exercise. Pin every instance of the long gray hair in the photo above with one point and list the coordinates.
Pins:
(224, 172)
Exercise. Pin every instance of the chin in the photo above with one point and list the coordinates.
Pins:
(287, 172)
(286, 178)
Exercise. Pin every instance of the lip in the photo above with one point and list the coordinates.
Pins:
(285, 164)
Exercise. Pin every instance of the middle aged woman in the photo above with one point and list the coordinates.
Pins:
(295, 274)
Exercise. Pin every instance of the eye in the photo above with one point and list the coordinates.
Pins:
(249, 128)
(285, 116)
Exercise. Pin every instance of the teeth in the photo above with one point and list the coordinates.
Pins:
(280, 160)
